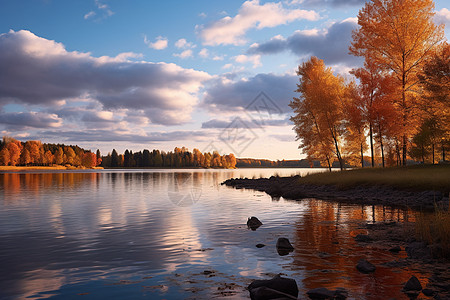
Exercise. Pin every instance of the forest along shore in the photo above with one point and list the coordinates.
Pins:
(292, 188)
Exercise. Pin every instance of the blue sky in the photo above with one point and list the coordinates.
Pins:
(215, 75)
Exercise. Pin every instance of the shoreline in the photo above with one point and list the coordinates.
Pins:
(43, 168)
(291, 188)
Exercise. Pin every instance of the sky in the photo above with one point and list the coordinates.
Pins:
(212, 75)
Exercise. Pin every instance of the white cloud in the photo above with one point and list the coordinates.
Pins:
(89, 15)
(102, 11)
(204, 53)
(443, 17)
(160, 43)
(227, 66)
(165, 92)
(182, 43)
(231, 30)
(218, 57)
(185, 54)
(254, 59)
(105, 8)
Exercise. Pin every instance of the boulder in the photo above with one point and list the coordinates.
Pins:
(363, 238)
(253, 223)
(418, 250)
(275, 288)
(260, 245)
(283, 243)
(324, 293)
(284, 247)
(320, 293)
(365, 267)
(274, 190)
(395, 249)
(413, 284)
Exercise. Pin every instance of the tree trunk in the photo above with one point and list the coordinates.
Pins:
(443, 152)
(362, 156)
(404, 110)
(371, 144)
(423, 154)
(432, 149)
(329, 164)
(382, 150)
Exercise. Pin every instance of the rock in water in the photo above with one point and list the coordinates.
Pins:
(284, 243)
(395, 249)
(365, 267)
(253, 223)
(284, 247)
(275, 288)
(413, 284)
(363, 238)
(324, 293)
(320, 293)
(260, 245)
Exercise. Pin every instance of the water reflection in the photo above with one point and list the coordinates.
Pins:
(109, 233)
(327, 253)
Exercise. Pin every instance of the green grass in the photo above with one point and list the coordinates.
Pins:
(418, 177)
(435, 229)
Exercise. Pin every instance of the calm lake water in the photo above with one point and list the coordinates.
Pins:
(176, 234)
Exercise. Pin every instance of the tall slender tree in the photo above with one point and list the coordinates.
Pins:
(319, 107)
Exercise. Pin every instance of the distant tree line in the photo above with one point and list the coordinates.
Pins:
(265, 163)
(36, 153)
(178, 158)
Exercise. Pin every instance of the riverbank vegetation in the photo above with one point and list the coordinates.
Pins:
(434, 229)
(395, 107)
(32, 154)
(16, 155)
(417, 177)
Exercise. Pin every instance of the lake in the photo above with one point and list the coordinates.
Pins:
(177, 234)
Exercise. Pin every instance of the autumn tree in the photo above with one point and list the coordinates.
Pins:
(319, 109)
(25, 157)
(89, 160)
(59, 156)
(398, 35)
(355, 116)
(14, 148)
(435, 80)
(4, 157)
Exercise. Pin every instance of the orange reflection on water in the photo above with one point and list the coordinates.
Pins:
(327, 253)
(15, 186)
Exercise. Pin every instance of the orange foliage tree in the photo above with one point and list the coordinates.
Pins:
(398, 35)
(319, 120)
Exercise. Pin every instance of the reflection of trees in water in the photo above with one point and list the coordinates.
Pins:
(327, 252)
(15, 185)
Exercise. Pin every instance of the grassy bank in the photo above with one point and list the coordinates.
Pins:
(434, 229)
(418, 177)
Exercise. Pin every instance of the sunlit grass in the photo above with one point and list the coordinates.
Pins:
(435, 229)
(419, 177)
